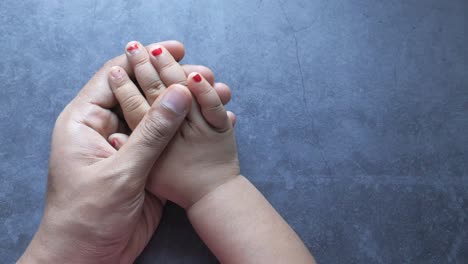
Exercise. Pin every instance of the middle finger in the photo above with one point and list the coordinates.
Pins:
(145, 73)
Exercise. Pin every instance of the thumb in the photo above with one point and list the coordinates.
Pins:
(155, 131)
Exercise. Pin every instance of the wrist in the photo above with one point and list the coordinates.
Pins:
(50, 245)
(193, 189)
(239, 225)
(39, 252)
(230, 183)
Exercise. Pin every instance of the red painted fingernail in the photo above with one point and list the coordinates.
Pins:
(157, 52)
(114, 143)
(197, 78)
(132, 48)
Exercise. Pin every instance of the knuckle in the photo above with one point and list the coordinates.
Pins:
(168, 66)
(154, 86)
(120, 83)
(216, 108)
(132, 103)
(182, 82)
(206, 92)
(209, 98)
(156, 131)
(141, 62)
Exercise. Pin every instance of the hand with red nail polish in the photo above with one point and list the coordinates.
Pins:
(97, 209)
(199, 169)
(204, 140)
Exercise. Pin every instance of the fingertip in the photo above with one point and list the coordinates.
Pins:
(176, 48)
(114, 71)
(192, 74)
(156, 50)
(182, 89)
(232, 117)
(177, 98)
(117, 140)
(194, 80)
(209, 101)
(205, 71)
(116, 75)
(133, 47)
(224, 92)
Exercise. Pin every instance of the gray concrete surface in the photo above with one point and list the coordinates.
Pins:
(352, 115)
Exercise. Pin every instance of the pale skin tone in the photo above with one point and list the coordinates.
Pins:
(97, 209)
(199, 169)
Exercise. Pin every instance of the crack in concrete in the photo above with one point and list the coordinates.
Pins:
(304, 98)
(297, 52)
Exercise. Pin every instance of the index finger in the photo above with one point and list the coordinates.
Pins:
(97, 91)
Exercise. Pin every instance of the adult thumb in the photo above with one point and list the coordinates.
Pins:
(155, 130)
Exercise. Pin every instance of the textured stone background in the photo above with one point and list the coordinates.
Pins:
(353, 115)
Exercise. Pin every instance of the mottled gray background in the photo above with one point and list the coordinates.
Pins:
(352, 115)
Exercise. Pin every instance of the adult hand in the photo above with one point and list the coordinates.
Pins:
(97, 209)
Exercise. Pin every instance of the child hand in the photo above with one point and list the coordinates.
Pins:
(199, 168)
(202, 155)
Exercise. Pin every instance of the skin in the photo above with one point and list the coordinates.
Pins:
(199, 171)
(97, 209)
(169, 179)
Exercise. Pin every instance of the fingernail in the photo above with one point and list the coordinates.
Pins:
(133, 48)
(157, 52)
(116, 73)
(197, 78)
(175, 100)
(115, 143)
